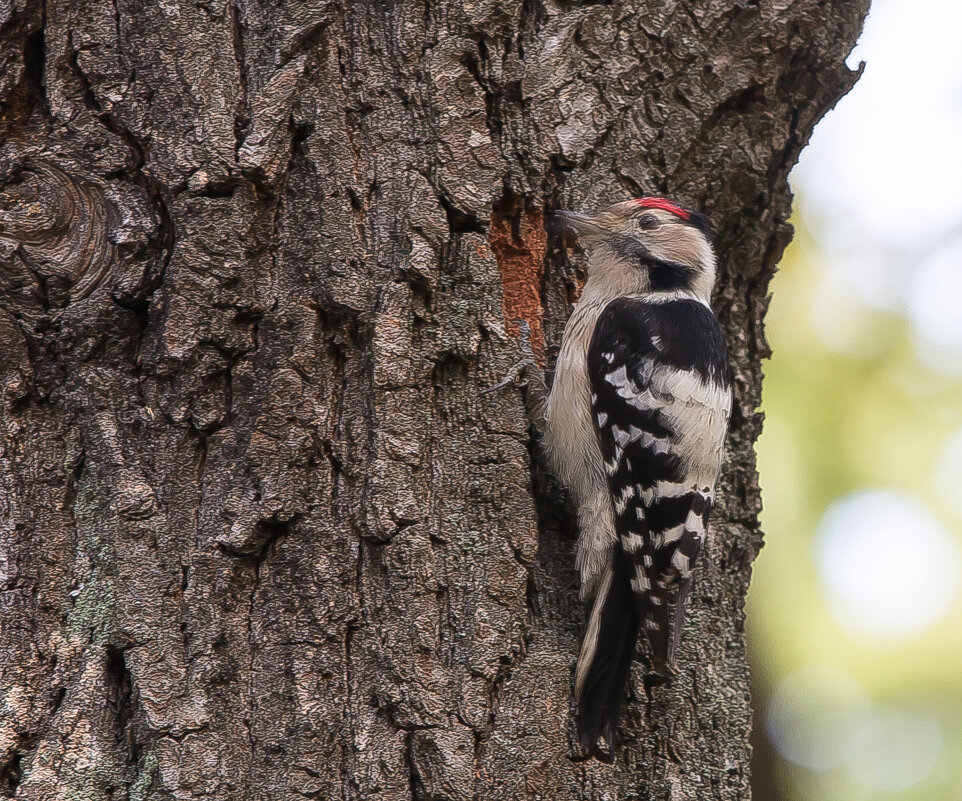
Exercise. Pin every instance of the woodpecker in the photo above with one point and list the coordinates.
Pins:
(635, 428)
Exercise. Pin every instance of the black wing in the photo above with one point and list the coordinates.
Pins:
(656, 370)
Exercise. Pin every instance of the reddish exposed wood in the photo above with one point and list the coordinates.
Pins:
(518, 240)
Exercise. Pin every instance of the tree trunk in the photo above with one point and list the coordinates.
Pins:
(262, 536)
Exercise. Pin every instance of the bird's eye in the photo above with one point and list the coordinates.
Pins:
(649, 222)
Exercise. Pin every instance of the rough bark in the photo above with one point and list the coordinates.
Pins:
(261, 536)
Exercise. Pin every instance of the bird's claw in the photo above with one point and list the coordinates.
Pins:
(513, 375)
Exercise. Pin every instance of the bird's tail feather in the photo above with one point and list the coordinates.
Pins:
(606, 655)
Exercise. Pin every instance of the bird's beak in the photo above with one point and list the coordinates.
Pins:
(580, 224)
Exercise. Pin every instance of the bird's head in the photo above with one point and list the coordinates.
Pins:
(652, 243)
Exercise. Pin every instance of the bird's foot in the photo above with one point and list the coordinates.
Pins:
(526, 374)
(517, 375)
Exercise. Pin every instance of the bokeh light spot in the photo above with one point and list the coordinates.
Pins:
(894, 750)
(813, 716)
(888, 566)
(948, 472)
(933, 307)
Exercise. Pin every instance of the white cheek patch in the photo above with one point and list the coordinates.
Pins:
(685, 245)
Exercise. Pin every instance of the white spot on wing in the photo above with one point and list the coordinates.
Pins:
(646, 368)
(671, 489)
(633, 543)
(672, 534)
(689, 387)
(635, 433)
(621, 502)
(654, 444)
(617, 378)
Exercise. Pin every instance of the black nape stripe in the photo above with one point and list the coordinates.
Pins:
(668, 275)
(700, 221)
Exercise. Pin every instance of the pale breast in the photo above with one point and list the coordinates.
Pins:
(570, 436)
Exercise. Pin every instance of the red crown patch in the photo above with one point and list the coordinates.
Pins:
(665, 204)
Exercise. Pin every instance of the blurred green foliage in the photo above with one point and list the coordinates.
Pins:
(849, 407)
